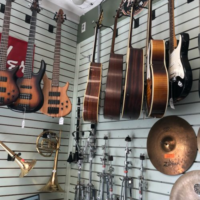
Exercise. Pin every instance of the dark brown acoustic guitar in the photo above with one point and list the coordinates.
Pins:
(56, 101)
(31, 97)
(157, 75)
(9, 91)
(134, 82)
(113, 92)
(92, 92)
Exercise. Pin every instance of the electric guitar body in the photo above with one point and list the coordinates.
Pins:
(56, 101)
(157, 80)
(31, 97)
(9, 91)
(92, 93)
(179, 67)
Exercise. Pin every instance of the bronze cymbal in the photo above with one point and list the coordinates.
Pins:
(172, 145)
(187, 187)
(198, 140)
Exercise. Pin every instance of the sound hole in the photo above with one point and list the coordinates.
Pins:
(168, 143)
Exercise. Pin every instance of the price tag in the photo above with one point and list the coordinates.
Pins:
(23, 123)
(61, 121)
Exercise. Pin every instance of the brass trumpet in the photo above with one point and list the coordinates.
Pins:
(26, 167)
(48, 142)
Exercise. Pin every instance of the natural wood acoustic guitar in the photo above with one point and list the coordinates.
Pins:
(92, 92)
(157, 75)
(134, 82)
(113, 92)
(56, 101)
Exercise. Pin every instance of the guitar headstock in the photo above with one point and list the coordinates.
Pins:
(99, 23)
(60, 16)
(35, 5)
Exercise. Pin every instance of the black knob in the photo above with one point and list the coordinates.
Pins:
(61, 108)
(66, 106)
(62, 104)
(13, 90)
(9, 93)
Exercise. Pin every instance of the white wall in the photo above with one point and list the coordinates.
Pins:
(160, 185)
(23, 140)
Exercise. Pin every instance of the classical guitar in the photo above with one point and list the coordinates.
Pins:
(9, 91)
(134, 82)
(157, 75)
(113, 90)
(180, 72)
(92, 92)
(31, 96)
(56, 101)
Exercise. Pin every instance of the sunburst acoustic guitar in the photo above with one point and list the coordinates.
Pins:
(9, 91)
(92, 92)
(31, 96)
(157, 75)
(56, 101)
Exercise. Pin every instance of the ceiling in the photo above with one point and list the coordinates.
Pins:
(76, 9)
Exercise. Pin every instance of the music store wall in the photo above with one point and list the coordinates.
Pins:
(24, 140)
(159, 185)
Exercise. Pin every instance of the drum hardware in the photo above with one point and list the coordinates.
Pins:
(25, 166)
(142, 183)
(165, 144)
(110, 178)
(103, 176)
(127, 182)
(46, 147)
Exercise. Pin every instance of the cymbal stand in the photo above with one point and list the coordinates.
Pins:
(91, 144)
(103, 176)
(127, 182)
(142, 182)
(110, 178)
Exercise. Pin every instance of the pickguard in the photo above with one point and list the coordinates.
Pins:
(175, 64)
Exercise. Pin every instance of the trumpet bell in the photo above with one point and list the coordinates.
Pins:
(52, 186)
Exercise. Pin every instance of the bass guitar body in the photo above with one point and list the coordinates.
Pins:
(179, 67)
(113, 90)
(31, 97)
(157, 80)
(134, 84)
(9, 91)
(56, 101)
(92, 93)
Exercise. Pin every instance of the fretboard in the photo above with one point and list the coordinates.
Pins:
(173, 41)
(131, 27)
(56, 65)
(114, 33)
(5, 36)
(30, 48)
(149, 26)
(95, 44)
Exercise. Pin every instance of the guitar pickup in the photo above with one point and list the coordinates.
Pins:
(26, 96)
(2, 89)
(54, 94)
(3, 79)
(26, 87)
(53, 110)
(1, 99)
(56, 102)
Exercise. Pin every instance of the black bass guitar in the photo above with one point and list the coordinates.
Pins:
(179, 68)
(31, 97)
(9, 91)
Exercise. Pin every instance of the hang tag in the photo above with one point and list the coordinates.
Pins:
(61, 121)
(54, 171)
(171, 103)
(23, 123)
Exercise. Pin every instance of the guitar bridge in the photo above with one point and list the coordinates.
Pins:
(2, 89)
(53, 110)
(1, 99)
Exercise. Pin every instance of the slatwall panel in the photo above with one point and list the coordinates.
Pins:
(23, 140)
(160, 185)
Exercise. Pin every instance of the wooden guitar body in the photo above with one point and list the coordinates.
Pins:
(180, 86)
(158, 84)
(92, 93)
(134, 85)
(56, 101)
(31, 97)
(9, 91)
(113, 90)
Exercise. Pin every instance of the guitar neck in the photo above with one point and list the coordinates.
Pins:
(30, 48)
(173, 41)
(131, 27)
(5, 36)
(56, 65)
(95, 44)
(149, 27)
